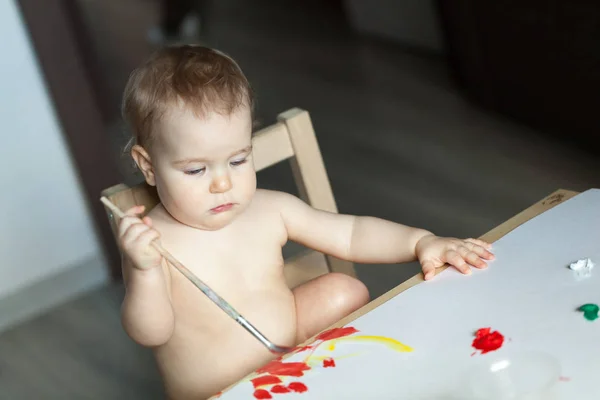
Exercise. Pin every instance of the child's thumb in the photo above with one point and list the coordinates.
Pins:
(428, 269)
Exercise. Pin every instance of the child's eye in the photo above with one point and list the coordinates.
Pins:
(238, 162)
(195, 171)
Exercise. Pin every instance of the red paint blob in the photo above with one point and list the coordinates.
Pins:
(328, 362)
(262, 394)
(298, 387)
(279, 389)
(564, 379)
(486, 340)
(265, 380)
(284, 369)
(336, 333)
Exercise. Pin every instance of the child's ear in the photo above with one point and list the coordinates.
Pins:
(144, 163)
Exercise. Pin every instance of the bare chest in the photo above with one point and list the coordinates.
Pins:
(250, 278)
(245, 260)
(240, 264)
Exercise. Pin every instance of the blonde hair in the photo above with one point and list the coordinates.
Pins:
(204, 79)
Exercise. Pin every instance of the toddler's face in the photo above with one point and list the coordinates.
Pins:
(202, 168)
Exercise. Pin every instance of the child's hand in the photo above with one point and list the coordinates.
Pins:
(136, 236)
(434, 251)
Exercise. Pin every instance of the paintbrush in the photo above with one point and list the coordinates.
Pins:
(211, 294)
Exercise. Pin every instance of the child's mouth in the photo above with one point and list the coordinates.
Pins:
(222, 208)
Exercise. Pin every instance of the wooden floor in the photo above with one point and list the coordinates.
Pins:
(399, 142)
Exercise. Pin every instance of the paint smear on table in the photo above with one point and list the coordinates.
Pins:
(279, 389)
(328, 362)
(265, 380)
(487, 340)
(298, 387)
(280, 368)
(270, 379)
(590, 311)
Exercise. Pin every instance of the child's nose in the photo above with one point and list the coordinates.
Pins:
(220, 184)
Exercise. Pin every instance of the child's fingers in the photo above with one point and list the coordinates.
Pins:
(132, 234)
(130, 218)
(454, 258)
(479, 242)
(126, 223)
(134, 230)
(146, 238)
(428, 269)
(471, 257)
(140, 249)
(479, 250)
(483, 253)
(147, 221)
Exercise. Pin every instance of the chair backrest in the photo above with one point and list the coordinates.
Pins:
(292, 138)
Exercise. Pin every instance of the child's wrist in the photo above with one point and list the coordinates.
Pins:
(423, 237)
(149, 268)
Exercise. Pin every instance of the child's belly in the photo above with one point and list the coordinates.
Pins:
(210, 351)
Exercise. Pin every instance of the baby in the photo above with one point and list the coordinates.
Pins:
(190, 109)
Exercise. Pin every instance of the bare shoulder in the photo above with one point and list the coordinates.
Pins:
(276, 205)
(275, 200)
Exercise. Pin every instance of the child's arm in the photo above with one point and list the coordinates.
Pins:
(372, 240)
(375, 240)
(147, 314)
(348, 237)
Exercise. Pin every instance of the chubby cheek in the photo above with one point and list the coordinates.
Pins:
(184, 196)
(245, 185)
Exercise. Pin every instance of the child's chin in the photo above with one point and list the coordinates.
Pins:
(213, 225)
(218, 221)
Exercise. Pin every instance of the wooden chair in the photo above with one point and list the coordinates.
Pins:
(292, 138)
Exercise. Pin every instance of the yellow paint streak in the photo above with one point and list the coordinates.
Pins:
(389, 342)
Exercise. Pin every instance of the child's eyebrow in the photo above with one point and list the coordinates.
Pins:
(244, 150)
(192, 160)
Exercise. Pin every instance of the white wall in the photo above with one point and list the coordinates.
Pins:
(45, 227)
